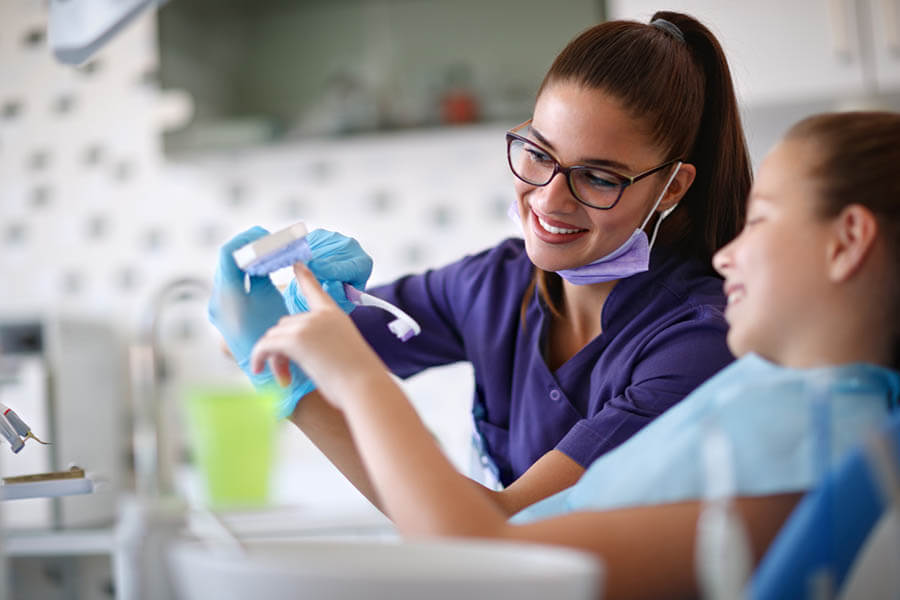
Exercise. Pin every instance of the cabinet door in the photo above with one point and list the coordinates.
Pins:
(885, 35)
(778, 50)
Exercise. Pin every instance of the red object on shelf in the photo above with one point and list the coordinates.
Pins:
(458, 107)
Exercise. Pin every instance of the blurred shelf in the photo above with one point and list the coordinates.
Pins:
(59, 542)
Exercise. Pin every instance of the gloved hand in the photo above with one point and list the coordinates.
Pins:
(243, 317)
(335, 259)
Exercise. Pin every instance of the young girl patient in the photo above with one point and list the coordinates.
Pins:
(813, 288)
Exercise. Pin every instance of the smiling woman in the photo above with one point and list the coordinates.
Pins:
(586, 330)
(635, 127)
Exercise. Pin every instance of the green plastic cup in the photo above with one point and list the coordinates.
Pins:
(232, 435)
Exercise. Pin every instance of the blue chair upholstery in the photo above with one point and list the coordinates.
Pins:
(827, 529)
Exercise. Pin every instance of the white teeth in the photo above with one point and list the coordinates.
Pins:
(552, 229)
(735, 296)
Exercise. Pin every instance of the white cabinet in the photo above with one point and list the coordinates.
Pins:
(796, 50)
(885, 24)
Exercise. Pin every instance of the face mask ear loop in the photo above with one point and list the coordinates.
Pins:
(666, 212)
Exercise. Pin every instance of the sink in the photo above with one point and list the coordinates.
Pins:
(377, 569)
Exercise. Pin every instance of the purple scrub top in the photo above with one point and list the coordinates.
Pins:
(663, 335)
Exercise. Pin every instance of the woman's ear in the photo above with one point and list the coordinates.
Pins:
(679, 186)
(855, 230)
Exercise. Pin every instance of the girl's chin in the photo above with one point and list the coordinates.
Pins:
(736, 344)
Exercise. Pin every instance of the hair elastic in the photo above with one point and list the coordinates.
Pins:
(669, 27)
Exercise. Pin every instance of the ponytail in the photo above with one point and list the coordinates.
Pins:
(715, 203)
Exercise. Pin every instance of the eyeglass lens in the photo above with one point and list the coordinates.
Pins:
(593, 186)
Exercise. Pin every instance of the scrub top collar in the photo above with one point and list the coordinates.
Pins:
(621, 305)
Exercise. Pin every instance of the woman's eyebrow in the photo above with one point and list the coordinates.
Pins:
(596, 162)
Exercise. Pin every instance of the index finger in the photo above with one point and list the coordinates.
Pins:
(315, 296)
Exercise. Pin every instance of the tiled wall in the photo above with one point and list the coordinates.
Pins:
(94, 219)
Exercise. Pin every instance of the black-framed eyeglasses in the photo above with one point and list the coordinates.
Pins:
(592, 186)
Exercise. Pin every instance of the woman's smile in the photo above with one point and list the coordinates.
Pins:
(553, 231)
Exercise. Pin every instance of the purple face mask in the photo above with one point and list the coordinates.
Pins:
(632, 257)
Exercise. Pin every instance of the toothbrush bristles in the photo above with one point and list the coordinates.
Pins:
(402, 330)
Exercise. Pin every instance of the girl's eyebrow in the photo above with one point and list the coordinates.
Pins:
(596, 162)
(757, 199)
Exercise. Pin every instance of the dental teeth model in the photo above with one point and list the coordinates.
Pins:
(288, 246)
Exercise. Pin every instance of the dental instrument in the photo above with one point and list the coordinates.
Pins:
(288, 246)
(722, 553)
(46, 485)
(19, 425)
(9, 433)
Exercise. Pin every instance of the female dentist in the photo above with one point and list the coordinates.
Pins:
(587, 329)
(807, 304)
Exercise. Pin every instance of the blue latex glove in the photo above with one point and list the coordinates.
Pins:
(335, 259)
(242, 318)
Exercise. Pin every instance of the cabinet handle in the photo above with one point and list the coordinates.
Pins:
(890, 10)
(839, 11)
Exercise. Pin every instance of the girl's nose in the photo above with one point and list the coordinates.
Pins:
(722, 260)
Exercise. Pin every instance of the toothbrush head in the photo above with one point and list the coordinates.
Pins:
(403, 329)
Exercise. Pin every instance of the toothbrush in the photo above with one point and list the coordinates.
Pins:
(288, 246)
(404, 326)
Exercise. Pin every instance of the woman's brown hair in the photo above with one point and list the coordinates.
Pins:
(859, 163)
(680, 87)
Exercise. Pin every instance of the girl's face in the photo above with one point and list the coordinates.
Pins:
(775, 270)
(582, 126)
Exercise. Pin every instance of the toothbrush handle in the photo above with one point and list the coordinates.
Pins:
(353, 294)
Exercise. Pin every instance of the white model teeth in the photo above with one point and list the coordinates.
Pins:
(735, 296)
(548, 227)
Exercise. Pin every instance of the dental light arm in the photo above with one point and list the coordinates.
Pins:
(78, 28)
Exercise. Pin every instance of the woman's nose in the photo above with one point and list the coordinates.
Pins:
(556, 195)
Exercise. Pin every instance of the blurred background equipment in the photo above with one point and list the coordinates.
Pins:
(66, 377)
(78, 28)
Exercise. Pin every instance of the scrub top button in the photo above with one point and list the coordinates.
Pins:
(555, 395)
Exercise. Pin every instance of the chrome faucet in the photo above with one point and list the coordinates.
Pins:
(153, 475)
